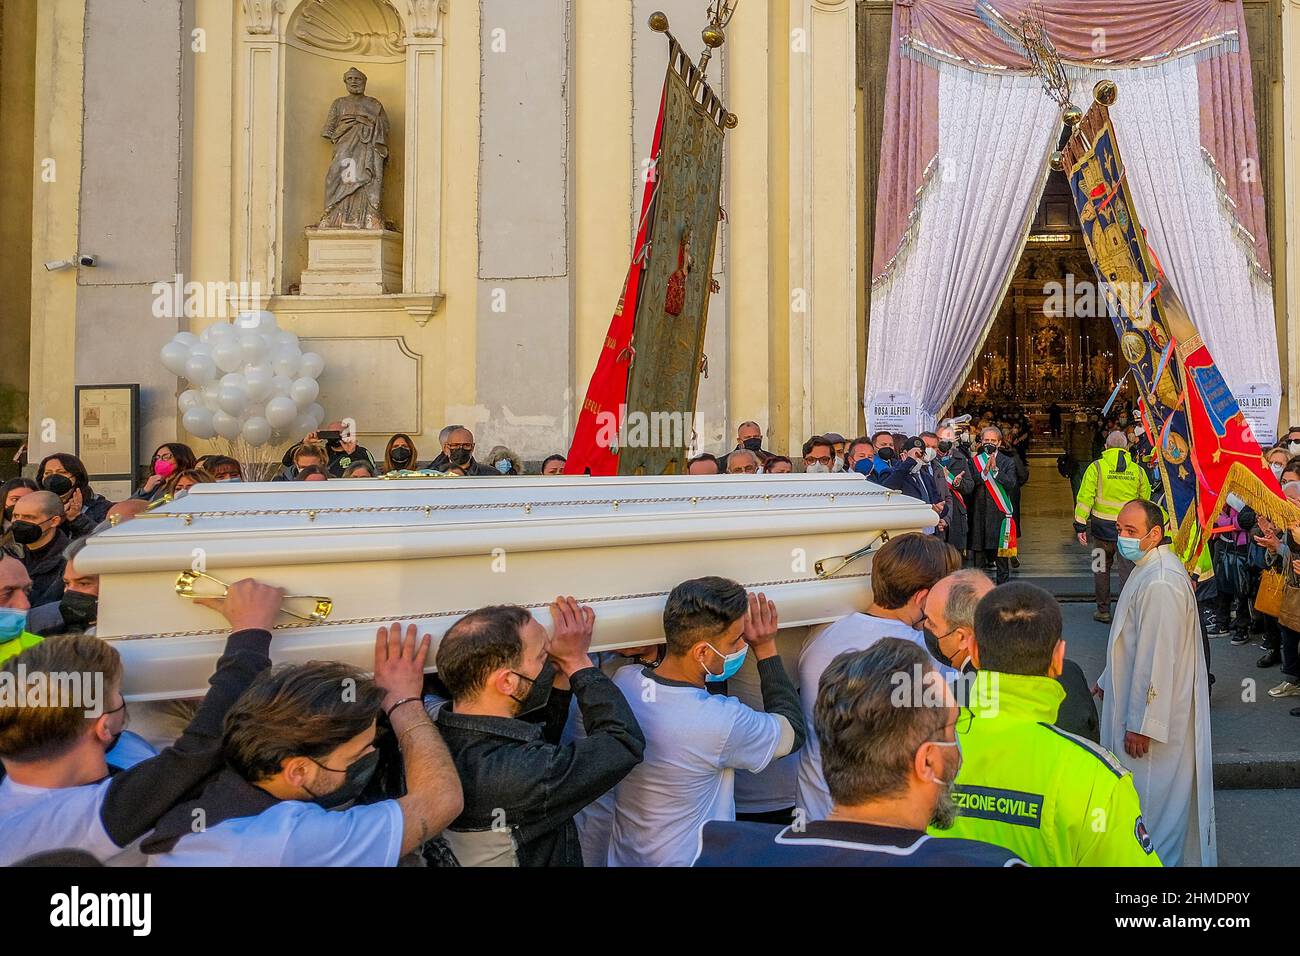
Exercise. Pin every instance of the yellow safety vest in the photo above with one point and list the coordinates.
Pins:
(1105, 489)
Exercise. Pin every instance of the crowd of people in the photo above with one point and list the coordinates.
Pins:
(711, 744)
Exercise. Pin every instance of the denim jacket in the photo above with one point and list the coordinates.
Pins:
(522, 788)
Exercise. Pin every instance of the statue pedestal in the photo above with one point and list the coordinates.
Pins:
(352, 262)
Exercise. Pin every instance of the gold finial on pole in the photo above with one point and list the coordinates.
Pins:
(715, 35)
(659, 22)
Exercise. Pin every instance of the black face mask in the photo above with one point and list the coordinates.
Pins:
(26, 532)
(401, 455)
(886, 454)
(539, 693)
(753, 444)
(356, 777)
(932, 645)
(460, 457)
(945, 446)
(9, 513)
(989, 448)
(59, 484)
(79, 609)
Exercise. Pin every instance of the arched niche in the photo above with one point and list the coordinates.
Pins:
(323, 39)
(295, 53)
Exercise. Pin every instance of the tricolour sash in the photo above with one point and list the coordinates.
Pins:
(1007, 539)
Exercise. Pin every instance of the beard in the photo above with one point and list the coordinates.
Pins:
(945, 811)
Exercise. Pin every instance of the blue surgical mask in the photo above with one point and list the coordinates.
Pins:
(13, 621)
(503, 466)
(730, 664)
(864, 466)
(1130, 548)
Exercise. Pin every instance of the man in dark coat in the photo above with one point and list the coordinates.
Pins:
(986, 518)
(953, 466)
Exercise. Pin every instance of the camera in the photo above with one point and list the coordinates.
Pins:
(88, 261)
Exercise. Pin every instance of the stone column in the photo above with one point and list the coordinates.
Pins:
(258, 172)
(421, 265)
(1286, 260)
(824, 346)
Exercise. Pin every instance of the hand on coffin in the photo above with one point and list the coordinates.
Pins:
(399, 663)
(248, 605)
(761, 626)
(571, 626)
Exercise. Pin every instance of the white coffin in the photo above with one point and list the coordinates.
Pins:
(430, 550)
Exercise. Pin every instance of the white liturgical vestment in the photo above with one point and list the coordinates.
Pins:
(1156, 684)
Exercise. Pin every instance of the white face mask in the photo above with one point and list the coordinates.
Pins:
(1294, 447)
(1277, 471)
(817, 468)
(839, 464)
(930, 454)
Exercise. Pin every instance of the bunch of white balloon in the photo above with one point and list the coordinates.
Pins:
(250, 382)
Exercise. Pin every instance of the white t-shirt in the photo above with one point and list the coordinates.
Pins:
(853, 632)
(695, 741)
(295, 833)
(38, 819)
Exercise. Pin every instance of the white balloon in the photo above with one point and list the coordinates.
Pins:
(200, 369)
(316, 411)
(312, 365)
(233, 400)
(174, 355)
(190, 398)
(257, 379)
(256, 320)
(198, 422)
(304, 392)
(287, 339)
(305, 424)
(200, 348)
(286, 360)
(221, 332)
(228, 355)
(257, 431)
(281, 412)
(252, 347)
(188, 339)
(281, 384)
(233, 378)
(227, 426)
(205, 335)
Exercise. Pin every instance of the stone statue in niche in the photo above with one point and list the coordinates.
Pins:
(358, 128)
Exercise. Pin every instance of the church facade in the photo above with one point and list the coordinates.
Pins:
(180, 144)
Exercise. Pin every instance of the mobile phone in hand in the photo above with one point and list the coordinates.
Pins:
(330, 437)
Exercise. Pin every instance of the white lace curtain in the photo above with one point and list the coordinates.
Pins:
(931, 314)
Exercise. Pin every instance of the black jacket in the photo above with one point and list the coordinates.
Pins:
(474, 468)
(45, 568)
(516, 773)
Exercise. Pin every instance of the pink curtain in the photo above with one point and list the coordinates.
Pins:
(979, 35)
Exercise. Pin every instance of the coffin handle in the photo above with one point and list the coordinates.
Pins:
(322, 609)
(847, 559)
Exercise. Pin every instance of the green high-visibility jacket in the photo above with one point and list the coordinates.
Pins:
(1106, 489)
(1051, 798)
(17, 645)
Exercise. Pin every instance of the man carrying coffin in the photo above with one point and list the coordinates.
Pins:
(1155, 713)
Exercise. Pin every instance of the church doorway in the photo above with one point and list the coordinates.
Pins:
(1051, 348)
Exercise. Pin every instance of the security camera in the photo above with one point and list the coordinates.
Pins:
(57, 265)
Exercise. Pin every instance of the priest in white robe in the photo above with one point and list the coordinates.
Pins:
(1155, 714)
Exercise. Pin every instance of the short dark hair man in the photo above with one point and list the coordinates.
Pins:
(58, 793)
(1050, 797)
(902, 573)
(38, 526)
(696, 741)
(704, 464)
(300, 743)
(889, 769)
(511, 685)
(818, 455)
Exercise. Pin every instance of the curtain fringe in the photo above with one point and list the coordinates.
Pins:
(909, 230)
(1239, 232)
